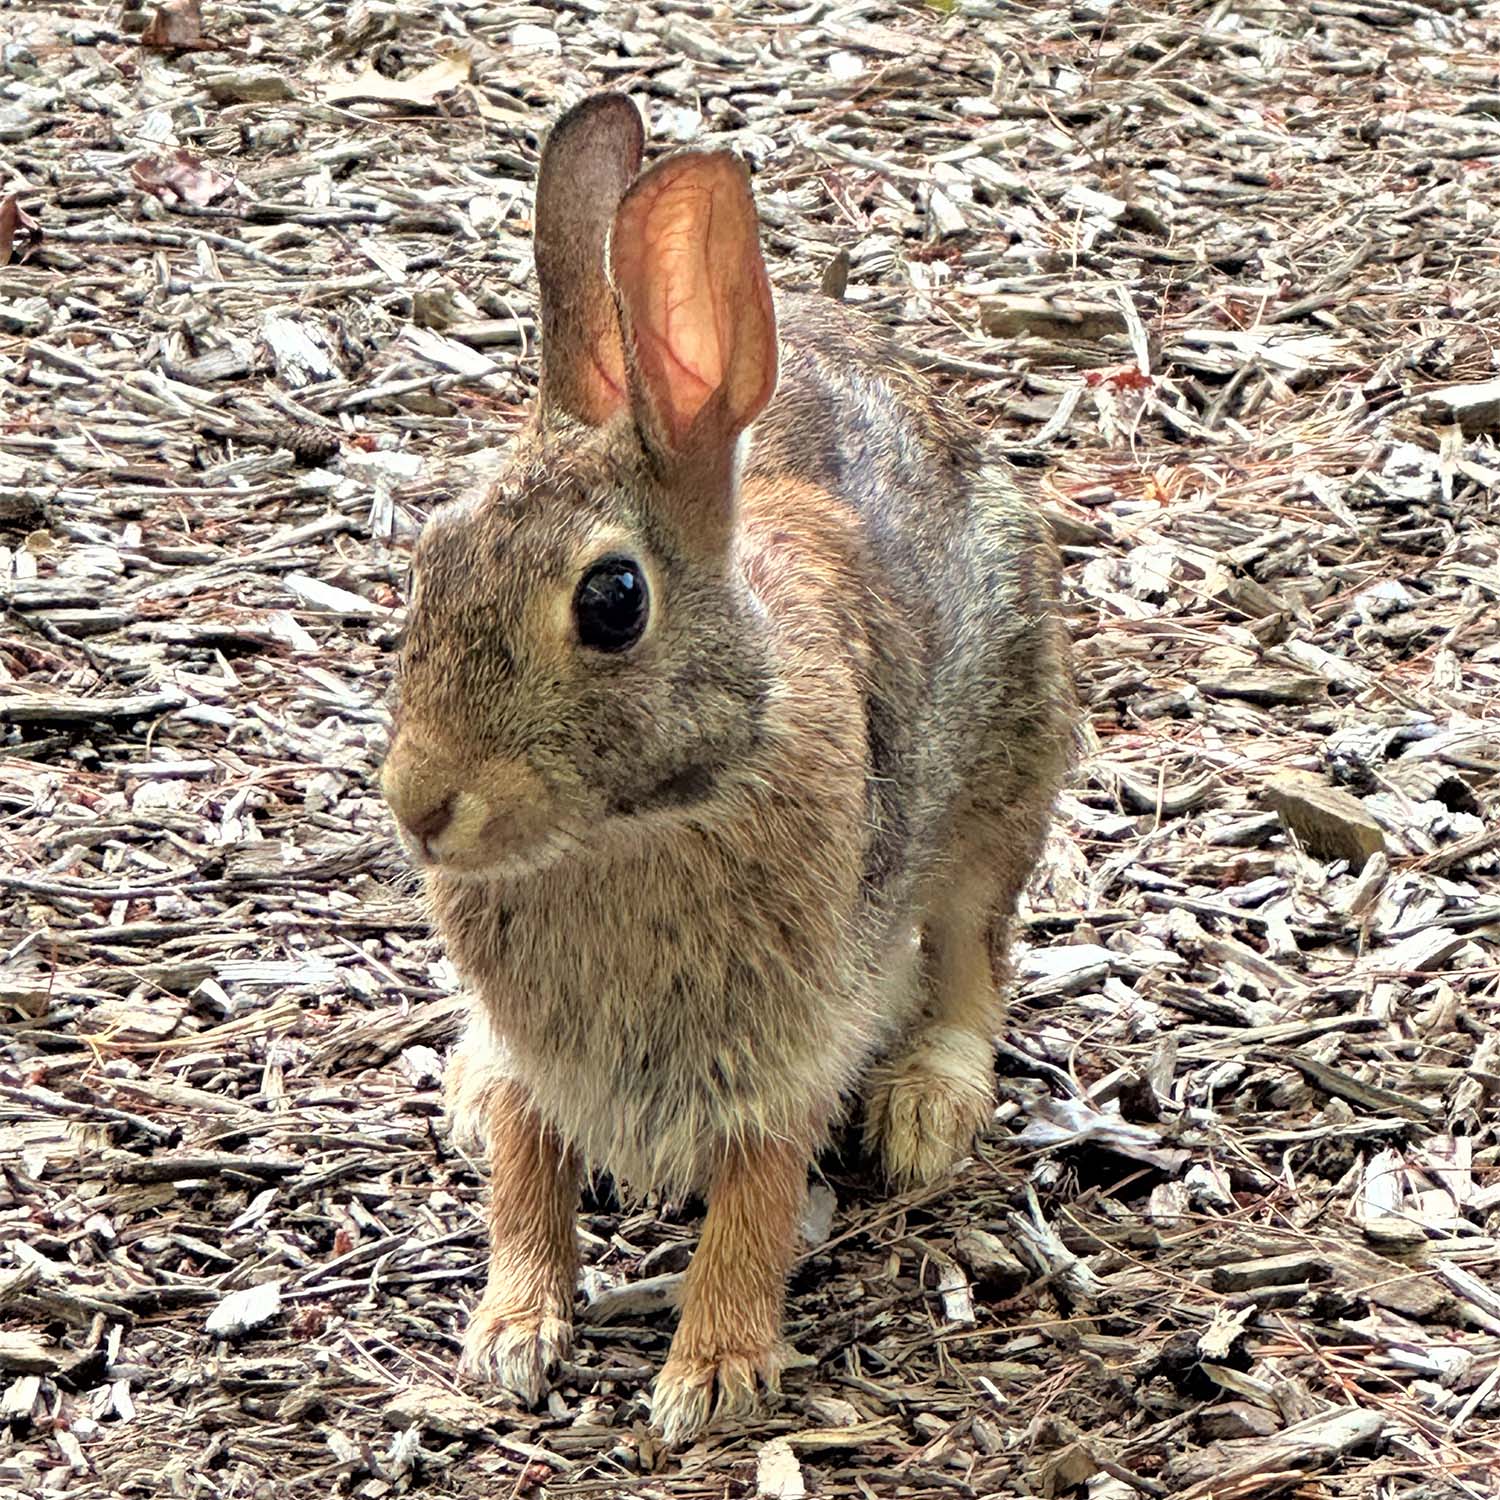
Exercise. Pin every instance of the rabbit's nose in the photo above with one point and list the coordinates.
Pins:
(430, 824)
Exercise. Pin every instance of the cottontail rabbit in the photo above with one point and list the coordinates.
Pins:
(725, 755)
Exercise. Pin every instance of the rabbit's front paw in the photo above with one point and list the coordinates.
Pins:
(690, 1392)
(926, 1105)
(515, 1350)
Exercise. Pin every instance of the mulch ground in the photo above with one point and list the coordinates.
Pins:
(1222, 281)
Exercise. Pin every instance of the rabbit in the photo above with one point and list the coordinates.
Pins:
(727, 727)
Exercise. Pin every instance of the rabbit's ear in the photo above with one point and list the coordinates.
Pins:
(695, 306)
(591, 157)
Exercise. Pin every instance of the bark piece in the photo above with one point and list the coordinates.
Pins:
(1329, 822)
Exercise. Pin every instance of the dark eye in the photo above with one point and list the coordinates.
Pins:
(611, 605)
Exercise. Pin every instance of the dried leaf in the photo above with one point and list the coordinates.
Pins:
(14, 219)
(1074, 1123)
(180, 177)
(176, 26)
(421, 90)
(436, 1408)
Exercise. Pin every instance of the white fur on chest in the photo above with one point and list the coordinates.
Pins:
(655, 1019)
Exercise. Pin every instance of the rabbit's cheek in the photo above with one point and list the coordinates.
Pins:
(502, 818)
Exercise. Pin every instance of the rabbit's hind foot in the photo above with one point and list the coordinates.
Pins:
(926, 1105)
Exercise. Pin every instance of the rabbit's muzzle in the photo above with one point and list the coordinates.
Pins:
(465, 820)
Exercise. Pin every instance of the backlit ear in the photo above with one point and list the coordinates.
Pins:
(589, 160)
(695, 305)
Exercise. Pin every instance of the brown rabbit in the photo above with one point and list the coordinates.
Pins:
(725, 752)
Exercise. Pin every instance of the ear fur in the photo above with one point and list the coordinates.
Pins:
(695, 306)
(590, 159)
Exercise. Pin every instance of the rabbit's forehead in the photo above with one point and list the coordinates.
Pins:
(520, 531)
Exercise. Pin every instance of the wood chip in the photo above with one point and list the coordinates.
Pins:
(1475, 408)
(778, 1474)
(241, 1311)
(1328, 821)
(637, 1299)
(1265, 685)
(26, 1353)
(1272, 1270)
(1309, 1447)
(1056, 318)
(58, 708)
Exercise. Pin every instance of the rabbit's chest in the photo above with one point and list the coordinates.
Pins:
(655, 1020)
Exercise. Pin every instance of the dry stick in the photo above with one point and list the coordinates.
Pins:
(164, 239)
(101, 662)
(36, 1093)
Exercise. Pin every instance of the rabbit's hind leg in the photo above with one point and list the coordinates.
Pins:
(928, 1101)
(932, 1096)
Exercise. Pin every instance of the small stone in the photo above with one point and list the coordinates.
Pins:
(1237, 1419)
(529, 38)
(16, 124)
(254, 85)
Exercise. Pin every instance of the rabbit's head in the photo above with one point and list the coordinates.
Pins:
(581, 651)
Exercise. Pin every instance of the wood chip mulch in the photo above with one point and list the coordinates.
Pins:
(1222, 280)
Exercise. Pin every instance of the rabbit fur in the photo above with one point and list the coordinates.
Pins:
(705, 890)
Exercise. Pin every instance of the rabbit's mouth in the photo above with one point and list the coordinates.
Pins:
(506, 866)
(495, 821)
(481, 844)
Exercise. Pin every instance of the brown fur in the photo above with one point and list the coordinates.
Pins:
(706, 889)
(523, 1322)
(730, 1334)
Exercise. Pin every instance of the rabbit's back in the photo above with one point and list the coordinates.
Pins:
(968, 695)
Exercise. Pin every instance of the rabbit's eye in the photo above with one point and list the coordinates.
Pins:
(611, 605)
